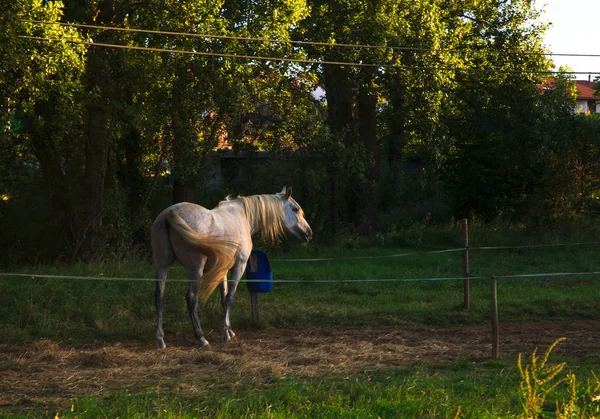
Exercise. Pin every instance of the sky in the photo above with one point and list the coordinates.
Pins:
(574, 30)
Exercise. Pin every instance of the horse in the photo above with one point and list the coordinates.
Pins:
(209, 243)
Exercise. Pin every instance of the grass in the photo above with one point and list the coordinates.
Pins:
(484, 390)
(81, 311)
(488, 390)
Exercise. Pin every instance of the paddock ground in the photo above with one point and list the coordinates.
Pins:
(49, 373)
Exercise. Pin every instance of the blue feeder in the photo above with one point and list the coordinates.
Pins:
(258, 268)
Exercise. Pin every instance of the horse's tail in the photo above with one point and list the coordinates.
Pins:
(220, 253)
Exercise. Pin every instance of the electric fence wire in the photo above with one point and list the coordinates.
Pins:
(299, 281)
(304, 281)
(458, 249)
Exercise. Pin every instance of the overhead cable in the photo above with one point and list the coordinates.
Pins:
(290, 41)
(305, 61)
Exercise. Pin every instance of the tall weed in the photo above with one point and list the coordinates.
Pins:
(538, 380)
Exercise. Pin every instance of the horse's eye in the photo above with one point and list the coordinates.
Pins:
(295, 209)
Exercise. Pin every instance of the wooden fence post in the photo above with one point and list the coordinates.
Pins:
(495, 331)
(466, 264)
(254, 306)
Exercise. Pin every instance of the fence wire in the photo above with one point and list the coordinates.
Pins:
(300, 281)
(458, 249)
(345, 281)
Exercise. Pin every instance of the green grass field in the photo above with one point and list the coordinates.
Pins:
(79, 312)
(404, 393)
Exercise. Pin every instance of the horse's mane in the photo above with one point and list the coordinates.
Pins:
(265, 212)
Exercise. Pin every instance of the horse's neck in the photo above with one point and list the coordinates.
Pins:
(255, 222)
(236, 209)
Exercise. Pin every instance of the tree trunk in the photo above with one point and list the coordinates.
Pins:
(184, 161)
(184, 192)
(96, 155)
(340, 99)
(367, 128)
(133, 177)
(51, 167)
(89, 233)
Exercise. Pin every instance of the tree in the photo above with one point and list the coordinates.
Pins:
(498, 138)
(352, 94)
(418, 106)
(40, 83)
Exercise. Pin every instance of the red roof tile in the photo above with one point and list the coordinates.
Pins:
(586, 90)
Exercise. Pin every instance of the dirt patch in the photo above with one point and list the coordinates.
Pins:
(52, 372)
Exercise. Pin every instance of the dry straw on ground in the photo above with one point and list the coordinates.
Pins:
(53, 372)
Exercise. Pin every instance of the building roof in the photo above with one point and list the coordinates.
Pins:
(586, 90)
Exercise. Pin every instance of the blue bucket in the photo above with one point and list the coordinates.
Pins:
(258, 268)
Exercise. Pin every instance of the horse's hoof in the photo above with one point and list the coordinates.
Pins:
(202, 342)
(160, 344)
(227, 335)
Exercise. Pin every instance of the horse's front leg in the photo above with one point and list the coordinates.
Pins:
(228, 295)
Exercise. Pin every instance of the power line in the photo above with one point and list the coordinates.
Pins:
(289, 41)
(231, 37)
(209, 54)
(304, 61)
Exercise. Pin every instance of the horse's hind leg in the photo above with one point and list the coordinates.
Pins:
(227, 297)
(194, 275)
(161, 276)
(162, 257)
(227, 332)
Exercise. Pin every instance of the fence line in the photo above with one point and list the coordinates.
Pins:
(289, 281)
(461, 249)
(303, 281)
(466, 277)
(547, 274)
(533, 246)
(458, 249)
(397, 255)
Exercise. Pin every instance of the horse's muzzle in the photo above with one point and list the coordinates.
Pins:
(308, 235)
(302, 234)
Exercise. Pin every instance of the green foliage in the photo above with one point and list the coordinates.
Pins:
(529, 163)
(112, 136)
(40, 115)
(539, 380)
(574, 181)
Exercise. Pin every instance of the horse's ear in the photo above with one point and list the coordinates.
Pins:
(287, 192)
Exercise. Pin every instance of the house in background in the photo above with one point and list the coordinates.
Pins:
(587, 101)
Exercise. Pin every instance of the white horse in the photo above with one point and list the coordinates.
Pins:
(209, 243)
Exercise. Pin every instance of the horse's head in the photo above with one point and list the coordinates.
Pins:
(295, 223)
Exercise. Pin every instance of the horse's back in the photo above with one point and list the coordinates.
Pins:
(191, 213)
(181, 237)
